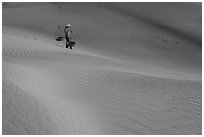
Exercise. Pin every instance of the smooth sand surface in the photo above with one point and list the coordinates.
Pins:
(136, 69)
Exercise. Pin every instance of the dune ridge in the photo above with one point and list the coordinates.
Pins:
(43, 51)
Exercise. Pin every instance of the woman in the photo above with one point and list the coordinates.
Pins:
(67, 33)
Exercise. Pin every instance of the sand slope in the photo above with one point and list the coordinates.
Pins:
(110, 83)
(22, 114)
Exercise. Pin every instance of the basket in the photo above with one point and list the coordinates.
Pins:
(59, 38)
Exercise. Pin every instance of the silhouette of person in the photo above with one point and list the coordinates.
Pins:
(67, 32)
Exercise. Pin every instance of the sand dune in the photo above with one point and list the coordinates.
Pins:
(23, 114)
(118, 80)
